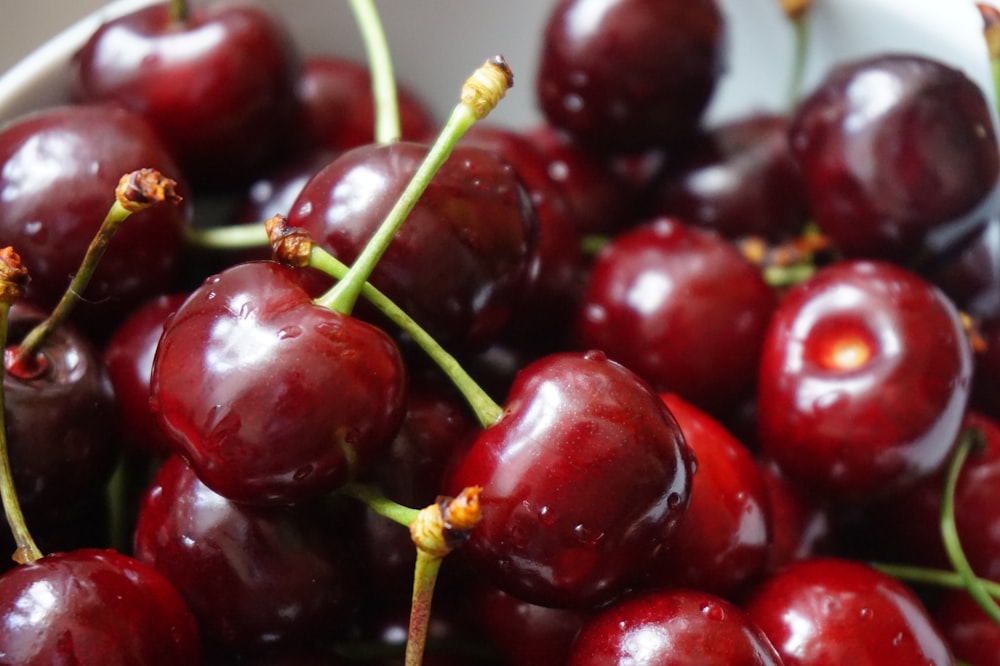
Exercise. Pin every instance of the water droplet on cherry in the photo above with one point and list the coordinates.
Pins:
(289, 332)
(713, 612)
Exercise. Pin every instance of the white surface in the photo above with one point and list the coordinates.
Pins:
(436, 43)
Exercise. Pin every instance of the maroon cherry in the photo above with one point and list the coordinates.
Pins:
(835, 611)
(218, 83)
(801, 525)
(94, 607)
(972, 635)
(672, 627)
(583, 477)
(893, 148)
(865, 375)
(626, 75)
(270, 397)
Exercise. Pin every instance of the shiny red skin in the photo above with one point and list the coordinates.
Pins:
(739, 179)
(62, 423)
(337, 110)
(682, 308)
(93, 606)
(464, 253)
(834, 611)
(928, 129)
(970, 272)
(218, 86)
(865, 375)
(253, 576)
(128, 357)
(584, 477)
(801, 526)
(723, 541)
(672, 628)
(972, 635)
(626, 75)
(58, 171)
(271, 398)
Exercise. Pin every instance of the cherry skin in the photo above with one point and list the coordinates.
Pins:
(801, 525)
(722, 543)
(669, 51)
(93, 606)
(928, 129)
(272, 398)
(682, 308)
(253, 576)
(58, 172)
(218, 85)
(836, 611)
(972, 635)
(668, 627)
(865, 375)
(584, 475)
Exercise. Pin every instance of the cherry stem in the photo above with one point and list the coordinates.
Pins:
(969, 439)
(425, 573)
(931, 576)
(229, 237)
(800, 26)
(179, 11)
(480, 94)
(387, 127)
(373, 498)
(486, 410)
(991, 33)
(136, 191)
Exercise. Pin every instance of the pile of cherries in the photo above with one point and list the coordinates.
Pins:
(741, 366)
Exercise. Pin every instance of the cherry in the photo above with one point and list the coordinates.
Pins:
(217, 82)
(94, 607)
(58, 168)
(928, 129)
(682, 308)
(986, 386)
(672, 627)
(723, 541)
(836, 611)
(584, 476)
(627, 75)
(972, 635)
(801, 525)
(270, 397)
(865, 374)
(253, 576)
(969, 271)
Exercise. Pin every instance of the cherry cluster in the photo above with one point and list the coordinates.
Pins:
(750, 371)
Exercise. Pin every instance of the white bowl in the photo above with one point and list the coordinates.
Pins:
(436, 43)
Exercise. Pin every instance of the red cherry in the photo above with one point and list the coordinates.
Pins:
(972, 635)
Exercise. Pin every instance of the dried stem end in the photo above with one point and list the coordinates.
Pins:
(484, 89)
(445, 525)
(795, 9)
(13, 275)
(291, 246)
(144, 188)
(991, 28)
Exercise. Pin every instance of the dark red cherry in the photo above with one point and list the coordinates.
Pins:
(61, 416)
(972, 635)
(986, 379)
(337, 109)
(270, 397)
(682, 308)
(626, 75)
(218, 84)
(865, 375)
(801, 525)
(253, 576)
(583, 477)
(893, 148)
(462, 257)
(93, 607)
(723, 541)
(672, 627)
(58, 171)
(835, 611)
(969, 272)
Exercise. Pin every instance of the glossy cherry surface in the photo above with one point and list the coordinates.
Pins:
(680, 307)
(892, 148)
(93, 607)
(270, 397)
(670, 628)
(583, 477)
(865, 375)
(626, 75)
(835, 611)
(972, 635)
(802, 526)
(218, 84)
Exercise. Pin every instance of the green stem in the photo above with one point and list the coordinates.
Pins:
(387, 127)
(995, 69)
(179, 11)
(344, 295)
(425, 574)
(936, 577)
(487, 411)
(230, 237)
(800, 26)
(949, 530)
(373, 498)
(26, 551)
